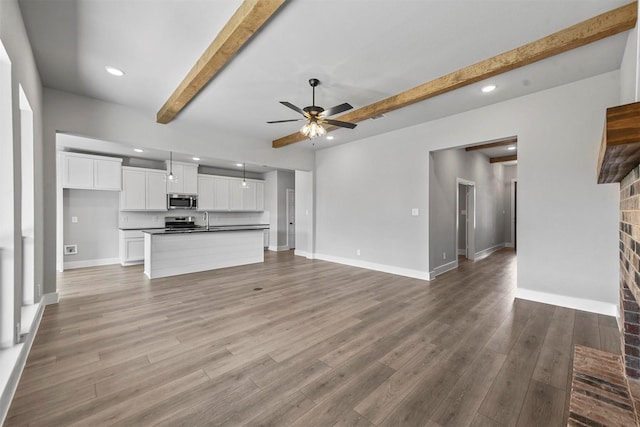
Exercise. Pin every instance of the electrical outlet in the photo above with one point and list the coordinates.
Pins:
(415, 212)
(70, 249)
(74, 219)
(154, 218)
(444, 255)
(358, 252)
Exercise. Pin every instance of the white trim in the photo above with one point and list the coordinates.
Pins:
(407, 272)
(486, 252)
(513, 212)
(592, 306)
(16, 356)
(279, 248)
(305, 254)
(508, 245)
(50, 298)
(128, 263)
(443, 269)
(91, 263)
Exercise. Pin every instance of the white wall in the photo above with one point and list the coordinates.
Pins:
(82, 116)
(567, 241)
(630, 68)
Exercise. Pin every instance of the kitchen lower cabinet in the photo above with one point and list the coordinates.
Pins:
(131, 247)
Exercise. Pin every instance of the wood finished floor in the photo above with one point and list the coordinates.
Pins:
(321, 344)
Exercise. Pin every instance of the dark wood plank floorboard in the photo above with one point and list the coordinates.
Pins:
(321, 344)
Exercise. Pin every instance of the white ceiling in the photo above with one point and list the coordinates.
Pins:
(362, 51)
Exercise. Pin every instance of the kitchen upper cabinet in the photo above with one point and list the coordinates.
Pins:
(156, 191)
(205, 193)
(143, 189)
(89, 172)
(187, 178)
(224, 194)
(220, 194)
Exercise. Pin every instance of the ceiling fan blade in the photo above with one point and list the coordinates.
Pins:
(293, 107)
(339, 123)
(283, 121)
(337, 109)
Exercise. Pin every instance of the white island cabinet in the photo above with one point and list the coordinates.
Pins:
(173, 253)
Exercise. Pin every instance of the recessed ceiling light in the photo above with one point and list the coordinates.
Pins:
(114, 71)
(196, 158)
(330, 137)
(511, 148)
(138, 150)
(239, 165)
(488, 88)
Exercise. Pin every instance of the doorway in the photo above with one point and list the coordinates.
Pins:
(291, 218)
(465, 218)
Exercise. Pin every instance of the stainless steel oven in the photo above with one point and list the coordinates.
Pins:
(182, 201)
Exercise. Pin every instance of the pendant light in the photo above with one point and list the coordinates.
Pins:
(244, 184)
(171, 177)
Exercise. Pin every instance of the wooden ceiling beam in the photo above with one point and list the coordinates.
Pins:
(502, 143)
(503, 159)
(597, 28)
(249, 18)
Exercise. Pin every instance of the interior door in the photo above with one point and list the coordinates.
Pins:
(291, 218)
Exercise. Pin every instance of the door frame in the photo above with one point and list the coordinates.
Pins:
(514, 213)
(471, 212)
(290, 191)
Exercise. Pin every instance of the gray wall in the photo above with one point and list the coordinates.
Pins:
(462, 217)
(365, 191)
(446, 167)
(96, 232)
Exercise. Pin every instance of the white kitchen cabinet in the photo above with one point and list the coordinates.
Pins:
(205, 193)
(187, 178)
(143, 189)
(220, 194)
(156, 191)
(259, 196)
(89, 172)
(224, 194)
(131, 247)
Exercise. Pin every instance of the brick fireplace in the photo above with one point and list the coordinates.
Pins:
(630, 271)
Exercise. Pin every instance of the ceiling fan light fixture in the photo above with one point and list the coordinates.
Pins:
(313, 129)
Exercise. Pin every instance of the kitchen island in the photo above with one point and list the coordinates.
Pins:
(173, 252)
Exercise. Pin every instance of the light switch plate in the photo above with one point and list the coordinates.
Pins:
(74, 219)
(415, 212)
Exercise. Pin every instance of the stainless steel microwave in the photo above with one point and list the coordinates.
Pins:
(182, 201)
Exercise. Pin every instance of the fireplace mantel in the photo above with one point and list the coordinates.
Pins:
(620, 148)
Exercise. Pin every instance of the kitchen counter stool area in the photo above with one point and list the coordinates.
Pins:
(169, 253)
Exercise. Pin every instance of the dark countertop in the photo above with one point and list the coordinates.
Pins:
(211, 228)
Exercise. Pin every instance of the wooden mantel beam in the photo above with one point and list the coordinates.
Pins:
(597, 28)
(249, 18)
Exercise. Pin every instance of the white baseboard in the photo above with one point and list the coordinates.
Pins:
(15, 358)
(486, 252)
(509, 245)
(50, 298)
(400, 271)
(90, 263)
(298, 252)
(591, 306)
(279, 248)
(128, 263)
(443, 269)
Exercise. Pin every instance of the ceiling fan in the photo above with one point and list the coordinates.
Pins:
(316, 116)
